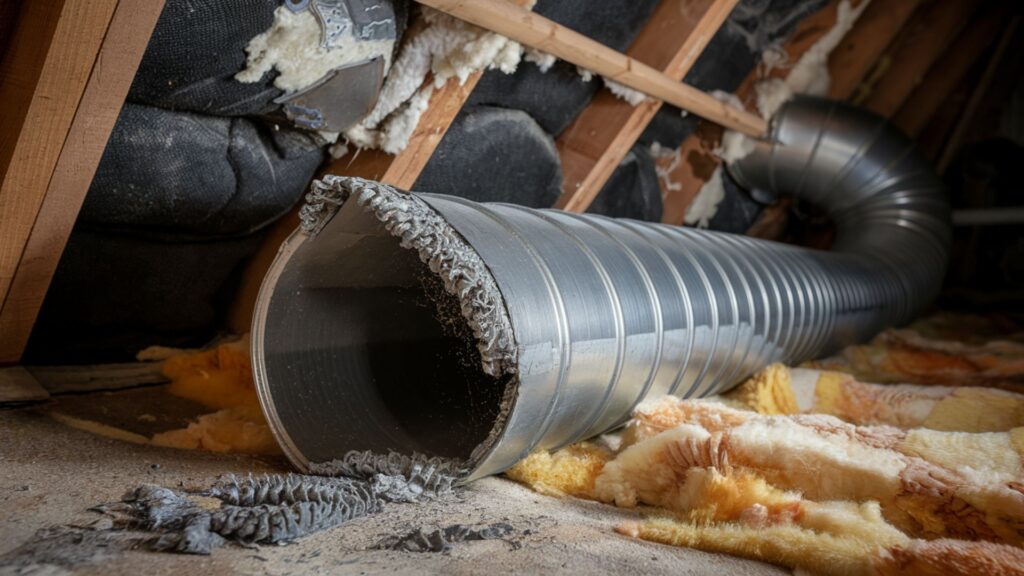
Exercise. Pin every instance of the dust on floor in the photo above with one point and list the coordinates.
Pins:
(51, 474)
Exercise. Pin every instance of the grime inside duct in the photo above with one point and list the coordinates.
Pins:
(363, 348)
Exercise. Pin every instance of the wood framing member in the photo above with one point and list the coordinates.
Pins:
(924, 39)
(538, 32)
(865, 43)
(950, 70)
(696, 159)
(966, 119)
(592, 147)
(62, 84)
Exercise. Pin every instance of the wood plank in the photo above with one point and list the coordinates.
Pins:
(928, 34)
(111, 75)
(538, 32)
(592, 147)
(697, 158)
(17, 386)
(971, 109)
(92, 378)
(39, 96)
(949, 71)
(865, 43)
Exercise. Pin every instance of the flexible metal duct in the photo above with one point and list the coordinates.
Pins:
(480, 332)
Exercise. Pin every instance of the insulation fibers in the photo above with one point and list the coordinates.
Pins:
(805, 491)
(668, 161)
(705, 204)
(221, 379)
(734, 147)
(445, 48)
(808, 76)
(291, 46)
(543, 60)
(634, 97)
(890, 490)
(781, 390)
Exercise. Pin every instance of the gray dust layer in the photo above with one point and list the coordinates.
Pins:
(442, 539)
(256, 510)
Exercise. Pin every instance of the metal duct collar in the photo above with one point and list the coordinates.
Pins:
(481, 332)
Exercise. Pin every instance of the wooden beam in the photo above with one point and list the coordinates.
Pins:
(538, 32)
(971, 109)
(42, 79)
(592, 147)
(70, 91)
(949, 71)
(17, 386)
(697, 160)
(928, 34)
(57, 380)
(865, 43)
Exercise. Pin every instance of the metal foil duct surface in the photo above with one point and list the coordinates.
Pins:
(480, 332)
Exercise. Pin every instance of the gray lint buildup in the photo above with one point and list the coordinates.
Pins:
(269, 509)
(439, 246)
(279, 508)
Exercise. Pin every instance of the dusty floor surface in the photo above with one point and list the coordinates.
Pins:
(50, 474)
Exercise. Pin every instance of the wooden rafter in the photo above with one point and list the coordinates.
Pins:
(950, 70)
(697, 160)
(865, 43)
(600, 137)
(966, 117)
(928, 34)
(62, 84)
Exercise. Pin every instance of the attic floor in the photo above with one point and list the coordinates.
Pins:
(50, 474)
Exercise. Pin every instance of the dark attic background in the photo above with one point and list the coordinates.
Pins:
(197, 168)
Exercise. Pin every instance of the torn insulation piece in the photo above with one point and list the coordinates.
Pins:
(292, 47)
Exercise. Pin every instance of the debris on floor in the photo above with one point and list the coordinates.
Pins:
(442, 539)
(276, 508)
(808, 467)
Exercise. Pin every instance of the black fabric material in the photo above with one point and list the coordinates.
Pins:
(179, 172)
(632, 191)
(737, 211)
(495, 155)
(195, 51)
(114, 295)
(613, 23)
(197, 48)
(555, 98)
(669, 127)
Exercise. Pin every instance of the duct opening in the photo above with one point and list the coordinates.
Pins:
(364, 348)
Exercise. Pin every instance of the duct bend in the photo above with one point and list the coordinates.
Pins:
(479, 332)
